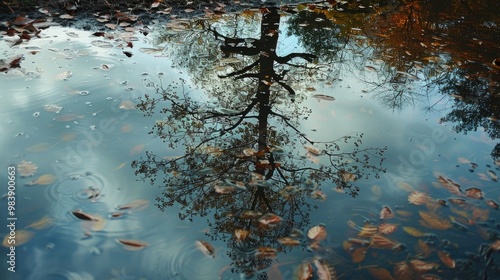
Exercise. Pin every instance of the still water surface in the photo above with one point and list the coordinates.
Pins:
(375, 128)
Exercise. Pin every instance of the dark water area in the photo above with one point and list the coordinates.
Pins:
(328, 140)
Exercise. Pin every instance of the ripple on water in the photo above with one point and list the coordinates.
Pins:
(183, 260)
(58, 274)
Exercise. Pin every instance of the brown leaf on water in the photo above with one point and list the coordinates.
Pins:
(380, 273)
(132, 245)
(423, 248)
(474, 193)
(20, 237)
(446, 259)
(45, 179)
(381, 242)
(403, 213)
(317, 233)
(448, 184)
(138, 204)
(387, 228)
(403, 271)
(324, 271)
(41, 223)
(418, 198)
(368, 230)
(414, 232)
(386, 213)
(288, 241)
(434, 221)
(303, 271)
(82, 215)
(26, 168)
(491, 203)
(421, 266)
(359, 254)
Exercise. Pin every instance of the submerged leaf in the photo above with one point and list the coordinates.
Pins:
(41, 223)
(359, 254)
(45, 179)
(434, 221)
(446, 259)
(380, 273)
(414, 232)
(26, 168)
(19, 238)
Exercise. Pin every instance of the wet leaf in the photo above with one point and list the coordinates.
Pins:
(423, 248)
(45, 179)
(493, 175)
(387, 228)
(448, 184)
(288, 241)
(41, 223)
(303, 271)
(324, 97)
(421, 266)
(403, 271)
(313, 150)
(206, 248)
(250, 214)
(359, 254)
(138, 204)
(20, 237)
(270, 219)
(491, 203)
(446, 259)
(380, 273)
(266, 252)
(317, 233)
(324, 271)
(418, 198)
(132, 245)
(367, 230)
(473, 193)
(434, 221)
(479, 214)
(381, 242)
(414, 232)
(386, 213)
(26, 168)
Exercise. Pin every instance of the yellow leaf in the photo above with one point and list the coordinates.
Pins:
(434, 221)
(380, 273)
(414, 232)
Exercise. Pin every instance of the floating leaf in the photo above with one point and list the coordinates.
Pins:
(403, 271)
(269, 219)
(359, 254)
(266, 253)
(446, 259)
(380, 273)
(324, 271)
(45, 179)
(288, 241)
(26, 168)
(368, 230)
(418, 198)
(250, 214)
(83, 216)
(424, 249)
(324, 97)
(491, 203)
(68, 117)
(451, 186)
(414, 232)
(206, 248)
(317, 233)
(127, 105)
(381, 242)
(303, 271)
(313, 150)
(387, 228)
(434, 221)
(41, 223)
(421, 266)
(64, 75)
(138, 204)
(20, 237)
(132, 245)
(386, 213)
(473, 193)
(493, 175)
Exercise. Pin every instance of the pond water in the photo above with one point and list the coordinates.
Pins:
(311, 141)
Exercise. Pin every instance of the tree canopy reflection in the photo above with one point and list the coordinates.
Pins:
(248, 164)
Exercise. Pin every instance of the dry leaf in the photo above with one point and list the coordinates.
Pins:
(418, 198)
(380, 273)
(434, 221)
(132, 245)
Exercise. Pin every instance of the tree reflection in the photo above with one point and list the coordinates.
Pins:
(242, 161)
